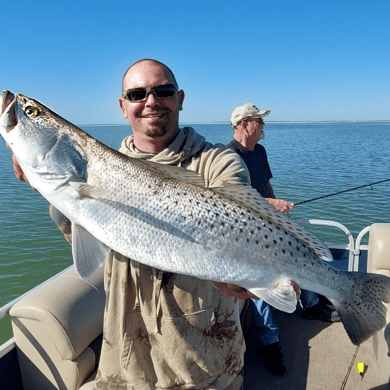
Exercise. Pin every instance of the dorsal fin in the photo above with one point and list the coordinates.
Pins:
(248, 197)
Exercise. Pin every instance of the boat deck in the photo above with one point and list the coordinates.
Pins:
(318, 356)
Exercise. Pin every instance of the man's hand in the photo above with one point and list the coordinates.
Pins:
(280, 204)
(17, 169)
(231, 290)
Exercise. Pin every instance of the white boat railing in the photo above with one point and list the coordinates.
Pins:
(359, 246)
(7, 346)
(353, 260)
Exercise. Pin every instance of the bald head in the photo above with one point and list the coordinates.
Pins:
(153, 63)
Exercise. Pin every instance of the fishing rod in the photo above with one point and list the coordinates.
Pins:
(340, 192)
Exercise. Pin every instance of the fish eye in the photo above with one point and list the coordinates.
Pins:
(31, 112)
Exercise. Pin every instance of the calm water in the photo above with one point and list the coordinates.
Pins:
(307, 161)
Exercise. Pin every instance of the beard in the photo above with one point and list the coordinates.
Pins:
(156, 132)
(162, 128)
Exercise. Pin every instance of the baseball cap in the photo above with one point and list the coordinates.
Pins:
(247, 111)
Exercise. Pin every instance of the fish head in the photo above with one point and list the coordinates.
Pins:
(26, 124)
(42, 141)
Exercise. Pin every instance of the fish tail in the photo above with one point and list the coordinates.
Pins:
(362, 311)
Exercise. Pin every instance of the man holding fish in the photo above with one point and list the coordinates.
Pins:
(167, 330)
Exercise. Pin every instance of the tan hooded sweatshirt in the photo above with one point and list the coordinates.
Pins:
(171, 331)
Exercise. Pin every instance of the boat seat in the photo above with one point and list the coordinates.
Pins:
(58, 330)
(378, 262)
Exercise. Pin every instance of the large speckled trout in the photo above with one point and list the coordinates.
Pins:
(164, 217)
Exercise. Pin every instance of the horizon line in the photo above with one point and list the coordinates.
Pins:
(228, 123)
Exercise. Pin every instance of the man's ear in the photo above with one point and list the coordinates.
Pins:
(244, 124)
(123, 107)
(181, 96)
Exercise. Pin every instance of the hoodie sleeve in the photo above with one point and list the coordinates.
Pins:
(220, 166)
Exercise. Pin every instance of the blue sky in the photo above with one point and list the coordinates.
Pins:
(304, 60)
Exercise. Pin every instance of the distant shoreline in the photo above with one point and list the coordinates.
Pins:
(225, 122)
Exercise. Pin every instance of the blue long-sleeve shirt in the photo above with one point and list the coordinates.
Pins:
(257, 162)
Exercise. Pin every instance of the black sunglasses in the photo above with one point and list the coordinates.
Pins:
(135, 95)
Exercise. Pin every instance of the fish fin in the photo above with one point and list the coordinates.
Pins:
(282, 297)
(86, 190)
(387, 338)
(362, 311)
(176, 172)
(249, 197)
(88, 252)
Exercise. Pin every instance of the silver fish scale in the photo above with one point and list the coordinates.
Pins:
(222, 227)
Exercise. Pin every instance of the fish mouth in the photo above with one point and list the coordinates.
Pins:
(9, 118)
(7, 98)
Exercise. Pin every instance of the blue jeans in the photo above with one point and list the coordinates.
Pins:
(308, 299)
(264, 327)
